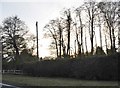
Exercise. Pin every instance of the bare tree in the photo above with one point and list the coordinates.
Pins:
(77, 38)
(106, 44)
(68, 22)
(78, 13)
(52, 32)
(100, 21)
(109, 13)
(13, 31)
(55, 30)
(91, 10)
(60, 34)
(86, 43)
(31, 38)
(60, 38)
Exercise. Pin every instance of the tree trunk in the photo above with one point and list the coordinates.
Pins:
(109, 27)
(106, 44)
(56, 45)
(92, 48)
(78, 43)
(75, 48)
(91, 21)
(68, 46)
(63, 47)
(68, 25)
(86, 43)
(16, 49)
(60, 36)
(100, 33)
(113, 49)
(95, 41)
(81, 27)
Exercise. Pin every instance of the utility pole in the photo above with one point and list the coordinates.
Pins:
(37, 39)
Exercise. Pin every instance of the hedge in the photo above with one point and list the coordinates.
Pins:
(93, 68)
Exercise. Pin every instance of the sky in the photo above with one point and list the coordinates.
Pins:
(31, 11)
(42, 11)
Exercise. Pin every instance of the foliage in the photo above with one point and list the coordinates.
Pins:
(83, 66)
(93, 68)
(25, 56)
(13, 32)
(99, 51)
(80, 25)
(110, 15)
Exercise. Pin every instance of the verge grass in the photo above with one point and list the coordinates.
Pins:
(20, 80)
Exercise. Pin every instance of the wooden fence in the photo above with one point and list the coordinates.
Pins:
(17, 72)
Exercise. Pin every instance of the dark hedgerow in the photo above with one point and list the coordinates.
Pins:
(93, 68)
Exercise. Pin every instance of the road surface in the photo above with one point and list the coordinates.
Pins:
(2, 85)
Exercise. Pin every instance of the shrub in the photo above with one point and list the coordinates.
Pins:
(94, 68)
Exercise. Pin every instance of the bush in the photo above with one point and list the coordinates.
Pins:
(94, 68)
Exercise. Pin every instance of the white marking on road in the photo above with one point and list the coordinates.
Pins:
(2, 84)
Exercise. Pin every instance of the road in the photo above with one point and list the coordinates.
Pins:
(2, 85)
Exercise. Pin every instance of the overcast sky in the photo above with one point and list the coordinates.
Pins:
(42, 11)
(31, 11)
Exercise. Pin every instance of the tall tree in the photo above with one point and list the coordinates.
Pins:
(60, 38)
(106, 44)
(53, 33)
(61, 26)
(13, 30)
(78, 13)
(91, 10)
(109, 10)
(68, 22)
(100, 21)
(86, 43)
(77, 38)
(59, 30)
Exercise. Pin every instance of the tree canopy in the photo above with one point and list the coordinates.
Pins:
(13, 40)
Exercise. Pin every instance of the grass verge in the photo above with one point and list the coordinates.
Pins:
(20, 80)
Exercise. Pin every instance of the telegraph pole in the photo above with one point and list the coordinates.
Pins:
(37, 38)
